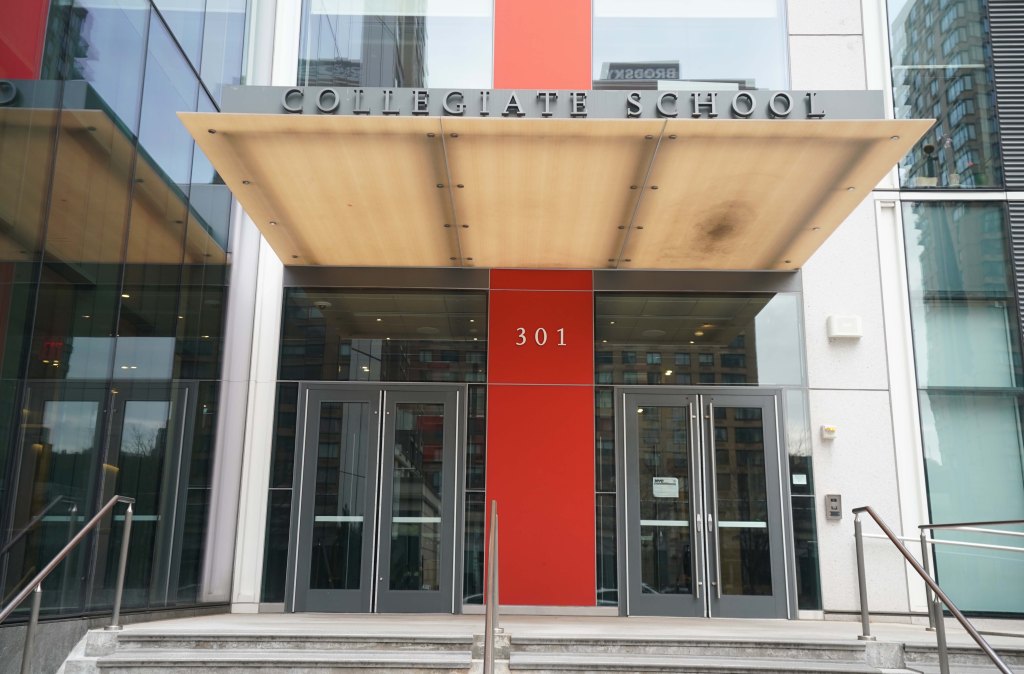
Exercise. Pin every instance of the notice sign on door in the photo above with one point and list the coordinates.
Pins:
(666, 487)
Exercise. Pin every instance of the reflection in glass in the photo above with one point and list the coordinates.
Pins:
(342, 335)
(339, 522)
(741, 490)
(961, 294)
(692, 338)
(973, 447)
(417, 504)
(473, 573)
(390, 43)
(942, 69)
(967, 352)
(650, 44)
(607, 552)
(141, 464)
(666, 555)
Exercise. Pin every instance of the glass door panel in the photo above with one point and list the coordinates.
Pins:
(745, 550)
(339, 499)
(418, 502)
(335, 484)
(661, 455)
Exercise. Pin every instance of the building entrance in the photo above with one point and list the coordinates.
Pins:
(703, 516)
(376, 498)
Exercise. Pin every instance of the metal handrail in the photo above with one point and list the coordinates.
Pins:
(990, 523)
(966, 544)
(34, 522)
(35, 586)
(941, 597)
(491, 596)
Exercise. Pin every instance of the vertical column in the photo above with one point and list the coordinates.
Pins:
(542, 44)
(540, 434)
(22, 33)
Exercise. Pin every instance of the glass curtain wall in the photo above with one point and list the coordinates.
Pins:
(703, 340)
(942, 69)
(396, 43)
(113, 280)
(967, 351)
(332, 334)
(721, 45)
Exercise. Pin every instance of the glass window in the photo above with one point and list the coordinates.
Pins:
(967, 351)
(393, 43)
(961, 295)
(943, 69)
(653, 44)
(223, 42)
(754, 338)
(386, 335)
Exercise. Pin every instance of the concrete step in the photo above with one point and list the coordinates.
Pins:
(552, 663)
(292, 661)
(963, 657)
(850, 651)
(133, 640)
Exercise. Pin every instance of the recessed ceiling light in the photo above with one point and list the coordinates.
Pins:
(698, 333)
(379, 320)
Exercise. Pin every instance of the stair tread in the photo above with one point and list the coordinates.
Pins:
(604, 660)
(455, 658)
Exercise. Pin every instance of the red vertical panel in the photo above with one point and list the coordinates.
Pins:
(22, 32)
(540, 435)
(542, 44)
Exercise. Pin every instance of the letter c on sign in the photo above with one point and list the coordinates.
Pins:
(288, 107)
(8, 92)
(662, 110)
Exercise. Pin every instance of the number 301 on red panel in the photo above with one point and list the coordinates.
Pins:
(539, 337)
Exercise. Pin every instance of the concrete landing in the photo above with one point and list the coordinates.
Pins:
(445, 644)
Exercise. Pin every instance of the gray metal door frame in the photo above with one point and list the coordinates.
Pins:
(705, 597)
(373, 593)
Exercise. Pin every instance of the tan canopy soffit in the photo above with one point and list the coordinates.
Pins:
(342, 190)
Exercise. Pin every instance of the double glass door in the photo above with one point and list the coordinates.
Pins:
(374, 509)
(703, 505)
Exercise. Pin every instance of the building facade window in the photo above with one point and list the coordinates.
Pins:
(390, 43)
(115, 271)
(649, 44)
(967, 353)
(943, 69)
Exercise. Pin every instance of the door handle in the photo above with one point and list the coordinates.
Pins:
(713, 480)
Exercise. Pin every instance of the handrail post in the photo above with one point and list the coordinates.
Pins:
(865, 620)
(30, 631)
(940, 635)
(926, 563)
(121, 564)
(491, 615)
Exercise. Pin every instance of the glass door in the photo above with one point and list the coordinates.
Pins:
(703, 505)
(376, 500)
(417, 532)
